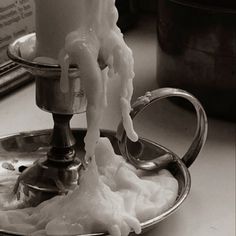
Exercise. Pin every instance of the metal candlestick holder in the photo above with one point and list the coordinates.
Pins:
(58, 170)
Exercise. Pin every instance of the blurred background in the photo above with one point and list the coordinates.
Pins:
(196, 48)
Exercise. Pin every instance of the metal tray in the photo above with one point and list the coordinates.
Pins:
(144, 154)
(29, 147)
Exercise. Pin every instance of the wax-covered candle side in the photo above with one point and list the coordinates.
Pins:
(96, 37)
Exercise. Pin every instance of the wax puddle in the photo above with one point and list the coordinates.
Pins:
(112, 196)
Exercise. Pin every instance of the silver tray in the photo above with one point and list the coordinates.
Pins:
(144, 154)
(33, 145)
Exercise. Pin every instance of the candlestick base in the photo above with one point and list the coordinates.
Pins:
(44, 180)
(55, 174)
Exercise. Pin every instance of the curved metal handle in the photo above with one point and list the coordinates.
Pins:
(199, 137)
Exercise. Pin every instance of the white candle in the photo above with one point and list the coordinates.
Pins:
(54, 20)
(82, 32)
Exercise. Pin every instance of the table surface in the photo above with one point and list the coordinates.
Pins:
(209, 209)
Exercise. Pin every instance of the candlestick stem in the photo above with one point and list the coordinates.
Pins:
(63, 141)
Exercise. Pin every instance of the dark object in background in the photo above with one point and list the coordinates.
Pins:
(197, 51)
(225, 5)
(147, 6)
(130, 10)
(128, 13)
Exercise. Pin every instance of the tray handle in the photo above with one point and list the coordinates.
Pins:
(162, 161)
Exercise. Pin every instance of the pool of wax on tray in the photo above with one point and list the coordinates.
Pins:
(112, 196)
